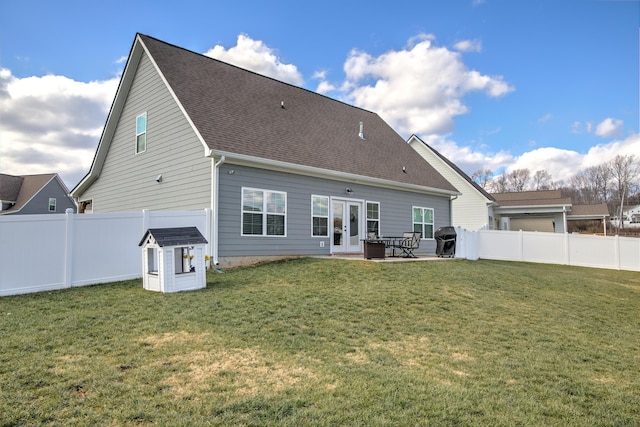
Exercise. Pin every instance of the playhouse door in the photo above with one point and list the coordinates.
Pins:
(346, 217)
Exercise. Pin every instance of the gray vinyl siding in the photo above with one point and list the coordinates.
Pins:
(127, 181)
(39, 203)
(395, 211)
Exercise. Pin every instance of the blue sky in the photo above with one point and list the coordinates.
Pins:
(493, 84)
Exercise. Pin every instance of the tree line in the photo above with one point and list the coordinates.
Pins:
(616, 182)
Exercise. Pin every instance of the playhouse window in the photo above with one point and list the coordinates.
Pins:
(184, 260)
(152, 260)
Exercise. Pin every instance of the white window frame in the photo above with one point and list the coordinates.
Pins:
(139, 133)
(367, 219)
(264, 212)
(313, 215)
(52, 204)
(423, 223)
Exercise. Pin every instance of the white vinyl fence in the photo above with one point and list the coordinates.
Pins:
(46, 252)
(611, 252)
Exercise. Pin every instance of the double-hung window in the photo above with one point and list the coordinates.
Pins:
(320, 216)
(264, 212)
(141, 133)
(52, 204)
(373, 218)
(423, 221)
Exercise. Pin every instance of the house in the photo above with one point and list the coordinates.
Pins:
(473, 209)
(284, 171)
(34, 194)
(544, 210)
(630, 218)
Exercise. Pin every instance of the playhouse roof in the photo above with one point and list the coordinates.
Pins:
(176, 236)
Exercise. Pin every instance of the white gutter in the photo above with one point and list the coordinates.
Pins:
(213, 239)
(242, 159)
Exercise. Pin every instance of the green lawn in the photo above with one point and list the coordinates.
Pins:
(331, 342)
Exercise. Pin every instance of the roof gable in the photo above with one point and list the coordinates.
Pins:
(27, 187)
(241, 113)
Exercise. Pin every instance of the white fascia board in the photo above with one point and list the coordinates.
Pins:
(531, 209)
(245, 160)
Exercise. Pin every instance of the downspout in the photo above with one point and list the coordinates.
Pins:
(215, 175)
(451, 199)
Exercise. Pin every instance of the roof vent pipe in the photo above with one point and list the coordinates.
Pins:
(361, 133)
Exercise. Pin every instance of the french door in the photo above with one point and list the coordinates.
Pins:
(346, 217)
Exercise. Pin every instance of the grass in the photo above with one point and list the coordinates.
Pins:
(331, 342)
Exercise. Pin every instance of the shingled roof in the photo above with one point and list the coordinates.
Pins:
(241, 112)
(174, 236)
(532, 198)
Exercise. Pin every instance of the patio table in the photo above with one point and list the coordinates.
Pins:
(388, 242)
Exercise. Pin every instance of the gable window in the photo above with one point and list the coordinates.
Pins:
(52, 204)
(320, 216)
(141, 133)
(263, 212)
(373, 218)
(423, 221)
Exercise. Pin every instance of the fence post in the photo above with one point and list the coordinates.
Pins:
(68, 248)
(567, 259)
(617, 252)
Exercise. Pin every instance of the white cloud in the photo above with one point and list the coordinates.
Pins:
(419, 89)
(561, 164)
(468, 46)
(545, 118)
(609, 128)
(256, 56)
(51, 124)
(325, 87)
(467, 158)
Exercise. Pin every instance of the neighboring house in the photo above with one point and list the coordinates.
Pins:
(545, 210)
(633, 214)
(473, 209)
(34, 194)
(285, 171)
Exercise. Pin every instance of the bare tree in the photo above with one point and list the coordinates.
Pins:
(518, 179)
(625, 172)
(541, 180)
(482, 177)
(499, 184)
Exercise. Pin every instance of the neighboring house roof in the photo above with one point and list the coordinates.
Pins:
(27, 187)
(453, 166)
(176, 236)
(548, 201)
(594, 211)
(246, 116)
(537, 199)
(10, 187)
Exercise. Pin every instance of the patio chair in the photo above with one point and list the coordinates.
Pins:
(410, 242)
